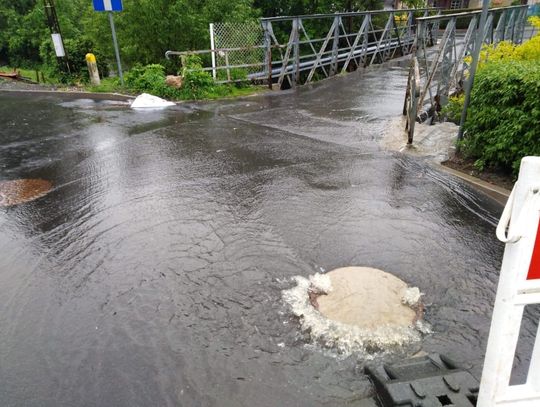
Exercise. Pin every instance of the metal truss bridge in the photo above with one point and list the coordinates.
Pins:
(290, 51)
(285, 52)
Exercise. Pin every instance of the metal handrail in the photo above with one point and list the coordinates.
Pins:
(348, 14)
(468, 13)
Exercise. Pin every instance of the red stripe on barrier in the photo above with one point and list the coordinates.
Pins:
(534, 268)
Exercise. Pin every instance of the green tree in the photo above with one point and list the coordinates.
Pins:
(20, 31)
(146, 28)
(271, 8)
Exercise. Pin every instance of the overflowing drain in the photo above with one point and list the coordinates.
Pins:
(22, 190)
(358, 309)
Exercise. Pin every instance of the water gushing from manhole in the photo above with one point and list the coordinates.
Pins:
(20, 191)
(358, 309)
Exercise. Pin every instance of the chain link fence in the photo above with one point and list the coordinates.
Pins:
(237, 35)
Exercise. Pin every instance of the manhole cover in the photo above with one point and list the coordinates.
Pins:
(367, 298)
(22, 190)
(358, 309)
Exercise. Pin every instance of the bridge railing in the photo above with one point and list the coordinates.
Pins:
(410, 108)
(320, 46)
(300, 49)
(443, 73)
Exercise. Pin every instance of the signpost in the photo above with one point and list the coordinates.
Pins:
(110, 6)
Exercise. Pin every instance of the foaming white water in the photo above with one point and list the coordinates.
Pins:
(320, 283)
(411, 297)
(345, 338)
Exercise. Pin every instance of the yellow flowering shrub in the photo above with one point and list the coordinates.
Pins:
(505, 50)
(502, 120)
(535, 21)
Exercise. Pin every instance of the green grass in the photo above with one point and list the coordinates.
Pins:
(224, 91)
(25, 73)
(112, 85)
(108, 85)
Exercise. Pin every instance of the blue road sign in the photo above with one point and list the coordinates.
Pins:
(107, 5)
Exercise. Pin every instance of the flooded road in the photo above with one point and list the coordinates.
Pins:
(151, 274)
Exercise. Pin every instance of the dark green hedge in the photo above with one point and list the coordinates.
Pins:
(503, 122)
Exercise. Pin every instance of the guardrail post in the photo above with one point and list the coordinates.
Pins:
(474, 64)
(520, 25)
(466, 49)
(228, 66)
(213, 47)
(519, 285)
(410, 32)
(436, 27)
(414, 93)
(268, 51)
(335, 46)
(443, 85)
(509, 29)
(499, 31)
(488, 31)
(296, 50)
(361, 35)
(365, 57)
(285, 59)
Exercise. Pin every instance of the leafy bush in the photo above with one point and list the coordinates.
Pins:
(453, 109)
(502, 122)
(197, 84)
(150, 79)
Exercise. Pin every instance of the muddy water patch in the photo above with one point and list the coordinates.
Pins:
(435, 142)
(358, 310)
(19, 191)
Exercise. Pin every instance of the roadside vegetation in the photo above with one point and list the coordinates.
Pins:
(146, 29)
(196, 83)
(504, 114)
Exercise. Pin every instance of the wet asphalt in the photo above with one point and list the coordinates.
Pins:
(151, 275)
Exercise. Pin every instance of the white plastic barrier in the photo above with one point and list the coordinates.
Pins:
(519, 285)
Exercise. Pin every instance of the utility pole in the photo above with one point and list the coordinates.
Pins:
(56, 35)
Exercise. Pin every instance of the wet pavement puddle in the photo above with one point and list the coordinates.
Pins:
(152, 274)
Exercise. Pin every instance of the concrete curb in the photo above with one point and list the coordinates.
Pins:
(436, 144)
(499, 194)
